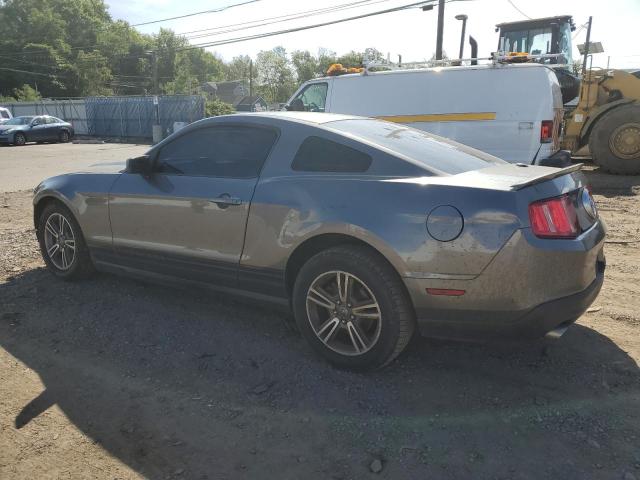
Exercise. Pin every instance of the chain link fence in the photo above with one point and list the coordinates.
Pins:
(118, 117)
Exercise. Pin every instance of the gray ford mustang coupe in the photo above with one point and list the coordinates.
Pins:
(365, 229)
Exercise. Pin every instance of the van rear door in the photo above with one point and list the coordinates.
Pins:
(496, 109)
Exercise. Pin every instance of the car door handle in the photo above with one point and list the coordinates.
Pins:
(226, 200)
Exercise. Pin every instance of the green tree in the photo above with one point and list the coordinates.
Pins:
(93, 74)
(275, 76)
(325, 59)
(238, 68)
(26, 93)
(305, 65)
(216, 107)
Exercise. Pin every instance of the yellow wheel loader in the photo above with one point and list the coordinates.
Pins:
(605, 122)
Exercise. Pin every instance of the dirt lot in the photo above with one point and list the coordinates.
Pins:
(22, 168)
(117, 379)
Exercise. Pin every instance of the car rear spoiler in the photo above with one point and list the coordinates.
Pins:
(558, 172)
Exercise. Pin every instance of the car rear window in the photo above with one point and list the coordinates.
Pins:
(318, 154)
(437, 154)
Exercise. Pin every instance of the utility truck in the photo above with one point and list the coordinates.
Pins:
(513, 112)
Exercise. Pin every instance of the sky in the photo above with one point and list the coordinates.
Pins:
(411, 33)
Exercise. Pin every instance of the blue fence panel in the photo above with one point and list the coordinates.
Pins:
(134, 117)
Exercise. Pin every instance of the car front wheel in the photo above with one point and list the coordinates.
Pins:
(352, 308)
(19, 139)
(64, 137)
(62, 244)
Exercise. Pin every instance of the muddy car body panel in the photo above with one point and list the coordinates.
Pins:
(466, 231)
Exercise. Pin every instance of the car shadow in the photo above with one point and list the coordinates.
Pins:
(609, 185)
(188, 384)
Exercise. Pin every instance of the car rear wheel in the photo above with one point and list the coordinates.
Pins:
(62, 243)
(63, 137)
(352, 308)
(19, 139)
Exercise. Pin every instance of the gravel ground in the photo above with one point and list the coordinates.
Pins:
(111, 378)
(22, 168)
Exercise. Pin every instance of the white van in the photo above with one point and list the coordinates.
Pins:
(511, 111)
(5, 115)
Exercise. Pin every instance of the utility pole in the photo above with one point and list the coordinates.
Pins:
(440, 29)
(156, 127)
(154, 59)
(586, 48)
(250, 77)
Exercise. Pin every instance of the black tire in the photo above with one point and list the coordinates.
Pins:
(19, 139)
(81, 266)
(396, 319)
(64, 137)
(607, 140)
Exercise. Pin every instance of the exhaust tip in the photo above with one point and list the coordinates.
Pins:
(557, 332)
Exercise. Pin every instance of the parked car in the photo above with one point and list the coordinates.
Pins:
(511, 111)
(5, 115)
(43, 128)
(365, 229)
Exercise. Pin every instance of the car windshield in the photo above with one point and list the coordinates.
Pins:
(19, 121)
(437, 154)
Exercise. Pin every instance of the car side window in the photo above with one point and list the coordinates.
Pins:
(321, 155)
(51, 120)
(37, 121)
(4, 114)
(233, 151)
(312, 99)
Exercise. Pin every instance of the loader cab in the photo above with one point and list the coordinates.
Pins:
(542, 36)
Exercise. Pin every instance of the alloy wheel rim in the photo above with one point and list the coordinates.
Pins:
(20, 140)
(59, 241)
(344, 313)
(625, 141)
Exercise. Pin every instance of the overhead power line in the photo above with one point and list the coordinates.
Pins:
(30, 73)
(280, 18)
(274, 33)
(216, 10)
(221, 9)
(306, 27)
(514, 6)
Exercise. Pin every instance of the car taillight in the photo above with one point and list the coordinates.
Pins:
(554, 218)
(546, 131)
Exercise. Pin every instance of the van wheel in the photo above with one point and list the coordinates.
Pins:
(351, 306)
(615, 140)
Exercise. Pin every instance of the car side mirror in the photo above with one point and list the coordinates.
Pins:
(141, 165)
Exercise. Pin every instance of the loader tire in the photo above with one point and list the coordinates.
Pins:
(615, 140)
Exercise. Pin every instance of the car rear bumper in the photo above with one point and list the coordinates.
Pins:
(546, 318)
(530, 288)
